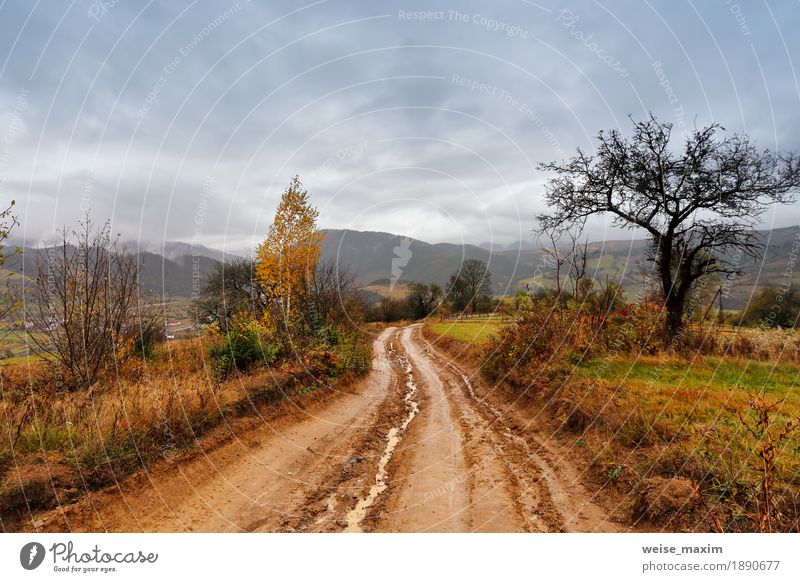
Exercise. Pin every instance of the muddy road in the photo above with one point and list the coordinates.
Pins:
(413, 447)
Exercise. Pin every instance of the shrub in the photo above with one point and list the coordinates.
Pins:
(354, 352)
(328, 335)
(245, 344)
(634, 327)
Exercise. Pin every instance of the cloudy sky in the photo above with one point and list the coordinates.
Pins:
(186, 119)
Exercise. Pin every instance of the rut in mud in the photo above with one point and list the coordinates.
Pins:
(356, 516)
(413, 447)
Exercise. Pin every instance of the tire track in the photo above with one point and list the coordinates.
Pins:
(571, 508)
(359, 512)
(412, 448)
(451, 473)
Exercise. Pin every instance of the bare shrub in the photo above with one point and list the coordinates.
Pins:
(89, 313)
(771, 436)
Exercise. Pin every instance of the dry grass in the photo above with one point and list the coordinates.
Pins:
(671, 417)
(149, 410)
(754, 343)
(632, 411)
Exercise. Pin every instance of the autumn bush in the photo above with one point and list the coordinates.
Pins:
(548, 334)
(246, 343)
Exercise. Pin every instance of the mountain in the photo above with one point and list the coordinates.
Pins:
(383, 257)
(178, 277)
(512, 246)
(182, 277)
(380, 256)
(373, 256)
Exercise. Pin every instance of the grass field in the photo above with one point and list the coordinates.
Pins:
(691, 395)
(473, 331)
(700, 373)
(14, 344)
(641, 421)
(20, 359)
(697, 417)
(398, 292)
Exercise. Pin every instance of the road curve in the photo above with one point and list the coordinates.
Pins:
(411, 448)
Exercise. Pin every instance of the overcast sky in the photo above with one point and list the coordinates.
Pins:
(181, 120)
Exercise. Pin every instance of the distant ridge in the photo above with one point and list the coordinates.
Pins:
(370, 255)
(177, 268)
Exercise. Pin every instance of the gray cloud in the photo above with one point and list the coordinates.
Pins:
(188, 119)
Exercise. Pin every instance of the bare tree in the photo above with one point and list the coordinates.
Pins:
(89, 311)
(556, 256)
(333, 292)
(582, 284)
(575, 257)
(696, 206)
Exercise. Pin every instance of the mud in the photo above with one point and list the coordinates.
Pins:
(414, 447)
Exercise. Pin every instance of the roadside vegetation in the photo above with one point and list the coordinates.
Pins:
(684, 416)
(106, 394)
(678, 436)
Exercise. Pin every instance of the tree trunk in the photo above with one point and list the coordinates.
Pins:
(673, 322)
(674, 293)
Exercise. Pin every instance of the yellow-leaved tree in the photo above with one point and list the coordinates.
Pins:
(287, 259)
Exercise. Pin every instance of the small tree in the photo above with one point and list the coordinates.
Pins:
(696, 206)
(472, 282)
(581, 282)
(230, 288)
(556, 256)
(333, 294)
(423, 299)
(388, 310)
(287, 259)
(89, 313)
(457, 294)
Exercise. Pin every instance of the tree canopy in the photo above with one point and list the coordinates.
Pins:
(699, 205)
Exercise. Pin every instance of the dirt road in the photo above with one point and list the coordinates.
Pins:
(413, 447)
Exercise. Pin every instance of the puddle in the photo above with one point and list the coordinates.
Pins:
(357, 514)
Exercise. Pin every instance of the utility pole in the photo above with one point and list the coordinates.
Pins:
(711, 305)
